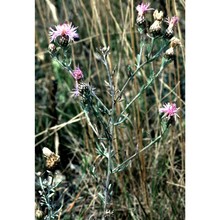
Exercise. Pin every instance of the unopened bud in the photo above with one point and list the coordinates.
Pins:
(158, 15)
(77, 74)
(155, 28)
(169, 54)
(175, 42)
(38, 214)
(52, 48)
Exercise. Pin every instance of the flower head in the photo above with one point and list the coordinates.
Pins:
(169, 33)
(143, 8)
(155, 28)
(169, 110)
(172, 21)
(52, 48)
(38, 214)
(85, 90)
(158, 15)
(175, 42)
(77, 74)
(169, 53)
(65, 30)
(76, 91)
(52, 159)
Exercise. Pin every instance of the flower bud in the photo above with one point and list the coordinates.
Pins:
(155, 28)
(77, 74)
(38, 214)
(169, 53)
(52, 48)
(158, 15)
(142, 9)
(175, 42)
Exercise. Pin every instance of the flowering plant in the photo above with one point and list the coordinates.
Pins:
(114, 107)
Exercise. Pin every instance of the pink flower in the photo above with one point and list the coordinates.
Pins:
(169, 110)
(77, 74)
(76, 91)
(64, 30)
(172, 21)
(143, 8)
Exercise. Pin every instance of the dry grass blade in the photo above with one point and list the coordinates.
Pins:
(58, 127)
(53, 11)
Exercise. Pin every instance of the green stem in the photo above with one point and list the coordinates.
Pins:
(103, 105)
(151, 47)
(142, 89)
(68, 68)
(110, 139)
(122, 165)
(138, 68)
(116, 169)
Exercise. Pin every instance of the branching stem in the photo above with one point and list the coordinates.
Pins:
(138, 68)
(110, 139)
(142, 89)
(122, 165)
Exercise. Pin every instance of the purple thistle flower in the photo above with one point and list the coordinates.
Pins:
(143, 8)
(172, 21)
(76, 91)
(169, 110)
(64, 30)
(77, 74)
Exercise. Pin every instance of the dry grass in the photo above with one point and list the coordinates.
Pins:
(153, 187)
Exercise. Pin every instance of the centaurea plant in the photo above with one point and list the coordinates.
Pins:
(63, 35)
